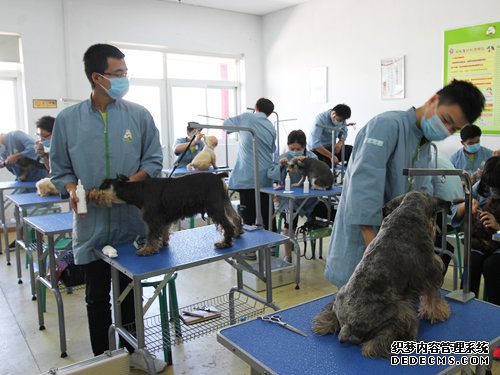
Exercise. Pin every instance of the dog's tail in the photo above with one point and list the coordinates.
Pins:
(326, 321)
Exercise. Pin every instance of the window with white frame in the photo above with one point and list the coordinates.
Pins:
(11, 103)
(178, 88)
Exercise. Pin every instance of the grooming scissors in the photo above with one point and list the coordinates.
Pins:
(276, 319)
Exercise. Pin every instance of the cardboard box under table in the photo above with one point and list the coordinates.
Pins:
(187, 249)
(271, 349)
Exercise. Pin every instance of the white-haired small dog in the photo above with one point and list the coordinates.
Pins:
(45, 187)
(206, 157)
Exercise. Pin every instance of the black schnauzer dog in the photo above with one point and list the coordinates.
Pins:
(26, 165)
(378, 305)
(319, 174)
(166, 200)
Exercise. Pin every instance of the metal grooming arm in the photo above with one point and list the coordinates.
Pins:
(258, 213)
(334, 131)
(461, 295)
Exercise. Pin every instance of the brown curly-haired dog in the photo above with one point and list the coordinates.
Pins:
(378, 305)
(163, 201)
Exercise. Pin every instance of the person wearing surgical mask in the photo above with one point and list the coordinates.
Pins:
(472, 156)
(296, 147)
(387, 144)
(320, 140)
(44, 125)
(96, 139)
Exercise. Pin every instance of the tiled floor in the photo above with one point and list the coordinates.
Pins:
(26, 350)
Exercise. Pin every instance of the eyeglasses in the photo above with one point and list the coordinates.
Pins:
(118, 74)
(44, 137)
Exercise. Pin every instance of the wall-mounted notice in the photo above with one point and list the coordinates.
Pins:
(473, 54)
(392, 75)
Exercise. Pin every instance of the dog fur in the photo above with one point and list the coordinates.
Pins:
(378, 305)
(481, 236)
(163, 201)
(26, 165)
(206, 157)
(45, 187)
(319, 174)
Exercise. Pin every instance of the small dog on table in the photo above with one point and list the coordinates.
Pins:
(26, 165)
(166, 200)
(319, 174)
(378, 305)
(206, 157)
(45, 187)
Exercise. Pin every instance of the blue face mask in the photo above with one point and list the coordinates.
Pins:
(119, 87)
(296, 153)
(472, 149)
(338, 123)
(434, 129)
(46, 145)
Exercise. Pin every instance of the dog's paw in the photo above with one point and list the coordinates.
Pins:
(372, 349)
(438, 311)
(222, 244)
(147, 251)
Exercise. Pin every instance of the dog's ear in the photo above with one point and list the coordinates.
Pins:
(301, 161)
(392, 205)
(121, 178)
(106, 184)
(441, 204)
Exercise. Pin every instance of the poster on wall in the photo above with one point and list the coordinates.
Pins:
(392, 74)
(473, 54)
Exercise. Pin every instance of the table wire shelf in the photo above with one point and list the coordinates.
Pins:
(157, 337)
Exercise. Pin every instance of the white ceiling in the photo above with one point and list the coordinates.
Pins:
(256, 7)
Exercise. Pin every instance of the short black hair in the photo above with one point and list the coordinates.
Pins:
(342, 110)
(490, 178)
(46, 123)
(96, 57)
(470, 131)
(466, 95)
(297, 136)
(265, 105)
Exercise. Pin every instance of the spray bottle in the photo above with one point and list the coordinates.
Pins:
(287, 182)
(306, 185)
(81, 206)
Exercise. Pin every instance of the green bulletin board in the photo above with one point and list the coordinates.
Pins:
(473, 54)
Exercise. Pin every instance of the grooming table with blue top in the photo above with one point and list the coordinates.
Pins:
(49, 225)
(292, 212)
(271, 349)
(23, 202)
(184, 171)
(496, 236)
(17, 187)
(186, 249)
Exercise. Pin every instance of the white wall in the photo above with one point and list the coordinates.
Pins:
(350, 38)
(56, 33)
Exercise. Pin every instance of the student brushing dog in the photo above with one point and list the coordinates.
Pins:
(296, 147)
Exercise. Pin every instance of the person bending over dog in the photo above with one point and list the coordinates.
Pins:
(385, 146)
(17, 154)
(321, 138)
(96, 139)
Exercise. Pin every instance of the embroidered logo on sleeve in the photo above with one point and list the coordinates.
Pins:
(375, 142)
(127, 137)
